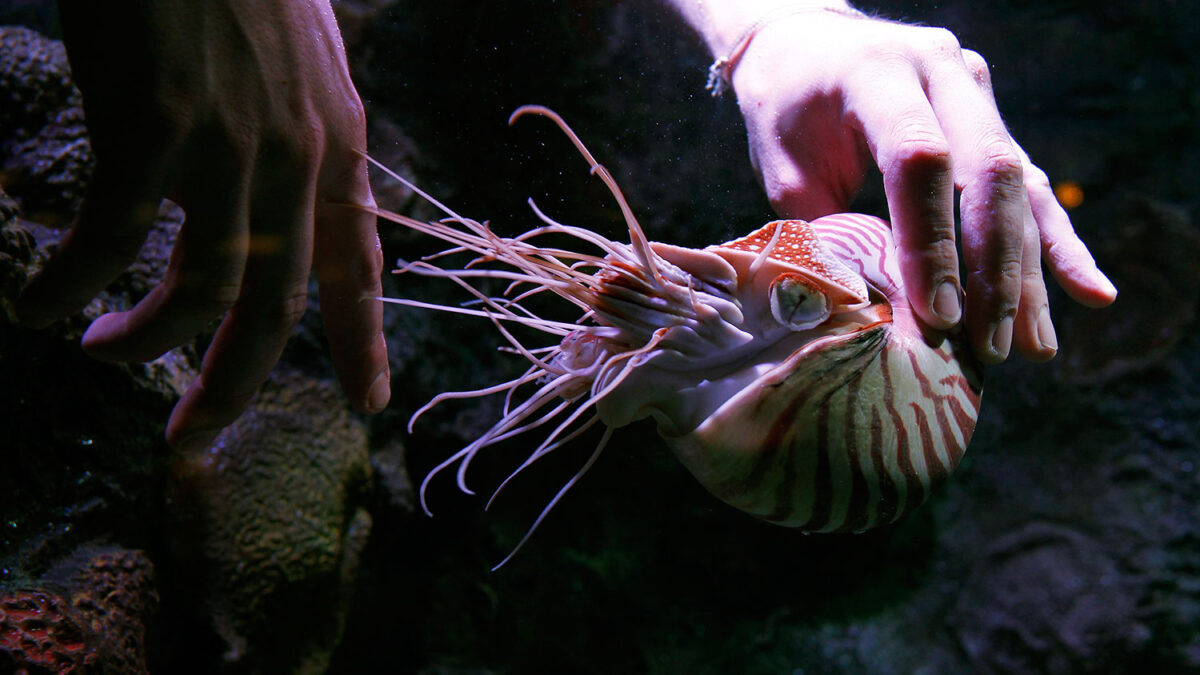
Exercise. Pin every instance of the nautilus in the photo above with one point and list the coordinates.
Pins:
(785, 368)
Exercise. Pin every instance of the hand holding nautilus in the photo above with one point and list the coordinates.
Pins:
(827, 92)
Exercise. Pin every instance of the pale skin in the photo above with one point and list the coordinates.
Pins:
(824, 92)
(243, 113)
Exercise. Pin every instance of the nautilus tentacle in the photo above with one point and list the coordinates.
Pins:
(785, 368)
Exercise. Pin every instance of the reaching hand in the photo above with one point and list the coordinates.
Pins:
(824, 92)
(243, 113)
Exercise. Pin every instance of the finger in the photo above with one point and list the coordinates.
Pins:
(114, 217)
(1033, 333)
(203, 277)
(272, 300)
(1067, 257)
(349, 266)
(993, 204)
(908, 145)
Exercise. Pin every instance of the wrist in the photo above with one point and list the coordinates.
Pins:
(721, 19)
(724, 24)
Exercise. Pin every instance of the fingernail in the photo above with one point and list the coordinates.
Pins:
(1106, 284)
(380, 392)
(1002, 332)
(946, 303)
(1045, 331)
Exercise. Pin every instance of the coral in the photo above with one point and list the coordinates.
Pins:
(270, 526)
(45, 155)
(88, 615)
(41, 633)
(115, 593)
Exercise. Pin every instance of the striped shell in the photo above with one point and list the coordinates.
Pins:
(851, 430)
(784, 368)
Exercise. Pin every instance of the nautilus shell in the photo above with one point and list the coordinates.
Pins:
(784, 368)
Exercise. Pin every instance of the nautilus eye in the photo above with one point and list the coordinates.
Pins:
(797, 303)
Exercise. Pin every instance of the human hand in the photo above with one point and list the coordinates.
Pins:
(243, 113)
(824, 92)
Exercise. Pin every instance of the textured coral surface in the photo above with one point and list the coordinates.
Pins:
(268, 526)
(39, 632)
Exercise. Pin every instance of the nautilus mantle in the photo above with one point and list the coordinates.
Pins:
(785, 368)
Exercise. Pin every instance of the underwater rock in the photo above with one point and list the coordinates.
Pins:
(45, 154)
(1047, 598)
(88, 615)
(268, 524)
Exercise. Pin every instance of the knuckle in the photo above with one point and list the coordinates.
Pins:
(931, 244)
(356, 112)
(940, 242)
(203, 298)
(273, 317)
(365, 269)
(920, 148)
(221, 298)
(1008, 276)
(290, 310)
(295, 150)
(935, 254)
(1001, 163)
(1054, 253)
(1000, 279)
(1037, 180)
(1068, 254)
(354, 273)
(885, 56)
(1031, 256)
(940, 42)
(977, 66)
(309, 142)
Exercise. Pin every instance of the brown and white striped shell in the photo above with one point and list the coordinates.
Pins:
(854, 428)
